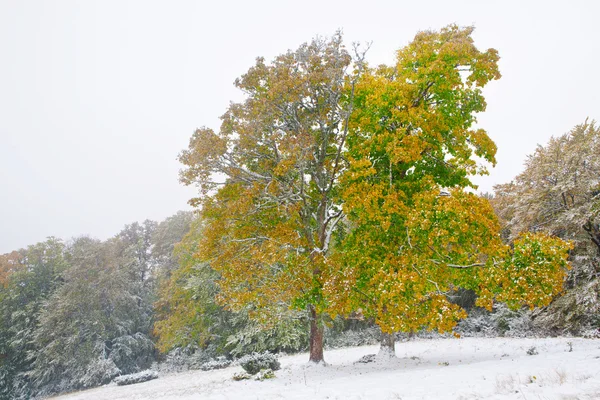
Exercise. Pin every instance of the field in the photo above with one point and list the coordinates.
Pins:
(469, 368)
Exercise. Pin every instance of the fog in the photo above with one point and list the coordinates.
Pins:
(97, 98)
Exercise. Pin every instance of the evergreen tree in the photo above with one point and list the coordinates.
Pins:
(95, 326)
(559, 193)
(22, 297)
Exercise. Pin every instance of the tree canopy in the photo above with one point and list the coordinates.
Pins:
(558, 192)
(321, 191)
(415, 234)
(279, 155)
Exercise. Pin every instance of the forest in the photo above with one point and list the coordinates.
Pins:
(335, 208)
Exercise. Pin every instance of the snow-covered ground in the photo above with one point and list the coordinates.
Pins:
(469, 368)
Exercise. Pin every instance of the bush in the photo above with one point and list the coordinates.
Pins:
(265, 374)
(184, 359)
(289, 335)
(352, 338)
(220, 363)
(350, 333)
(253, 363)
(577, 312)
(98, 372)
(501, 322)
(241, 376)
(366, 359)
(143, 376)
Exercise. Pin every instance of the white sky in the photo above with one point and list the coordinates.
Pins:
(97, 98)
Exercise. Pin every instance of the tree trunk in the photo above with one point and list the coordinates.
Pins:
(316, 337)
(387, 345)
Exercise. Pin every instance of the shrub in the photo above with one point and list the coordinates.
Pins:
(143, 376)
(366, 359)
(183, 359)
(500, 322)
(220, 363)
(289, 335)
(253, 363)
(265, 374)
(241, 376)
(335, 339)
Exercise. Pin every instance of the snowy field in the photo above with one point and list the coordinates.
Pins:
(469, 368)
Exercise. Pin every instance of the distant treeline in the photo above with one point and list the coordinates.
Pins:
(76, 314)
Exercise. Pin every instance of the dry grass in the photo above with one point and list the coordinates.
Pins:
(510, 383)
(506, 383)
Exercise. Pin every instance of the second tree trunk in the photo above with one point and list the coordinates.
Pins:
(316, 336)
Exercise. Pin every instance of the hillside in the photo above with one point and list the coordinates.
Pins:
(470, 368)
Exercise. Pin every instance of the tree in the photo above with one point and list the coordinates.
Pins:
(331, 197)
(138, 241)
(94, 326)
(22, 296)
(270, 224)
(9, 263)
(75, 315)
(165, 237)
(188, 315)
(415, 235)
(559, 193)
(137, 258)
(185, 313)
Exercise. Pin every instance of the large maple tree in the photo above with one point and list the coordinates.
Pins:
(416, 233)
(269, 180)
(321, 191)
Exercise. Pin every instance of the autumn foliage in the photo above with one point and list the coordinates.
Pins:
(415, 234)
(269, 180)
(339, 188)
(558, 192)
(9, 263)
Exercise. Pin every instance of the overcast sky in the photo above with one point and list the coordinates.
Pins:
(97, 98)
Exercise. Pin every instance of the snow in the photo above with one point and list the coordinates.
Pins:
(468, 368)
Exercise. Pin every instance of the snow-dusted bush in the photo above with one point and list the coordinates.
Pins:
(132, 353)
(183, 359)
(366, 359)
(219, 363)
(351, 338)
(130, 379)
(479, 323)
(591, 333)
(350, 333)
(98, 372)
(253, 363)
(289, 335)
(500, 322)
(532, 351)
(241, 376)
(265, 374)
(577, 312)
